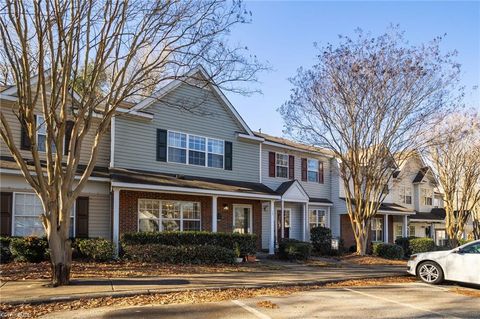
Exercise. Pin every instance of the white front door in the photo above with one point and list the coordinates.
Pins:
(242, 219)
(463, 264)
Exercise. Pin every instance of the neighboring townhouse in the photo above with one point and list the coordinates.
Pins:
(300, 174)
(20, 206)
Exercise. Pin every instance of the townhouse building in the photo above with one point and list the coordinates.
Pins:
(186, 160)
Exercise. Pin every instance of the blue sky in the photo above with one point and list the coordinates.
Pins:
(283, 33)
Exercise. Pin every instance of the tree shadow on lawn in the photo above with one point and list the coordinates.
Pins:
(128, 282)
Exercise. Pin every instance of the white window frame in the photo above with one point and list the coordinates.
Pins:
(250, 219)
(395, 234)
(160, 218)
(375, 229)
(289, 211)
(74, 210)
(406, 191)
(425, 196)
(204, 151)
(317, 223)
(317, 174)
(410, 231)
(278, 165)
(187, 149)
(37, 133)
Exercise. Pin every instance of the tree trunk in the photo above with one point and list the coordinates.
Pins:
(61, 258)
(476, 229)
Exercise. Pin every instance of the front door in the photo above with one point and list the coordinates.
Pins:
(286, 224)
(440, 237)
(242, 219)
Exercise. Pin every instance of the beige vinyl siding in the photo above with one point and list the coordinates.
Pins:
(135, 140)
(103, 158)
(313, 189)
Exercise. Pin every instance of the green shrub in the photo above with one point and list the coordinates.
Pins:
(5, 255)
(246, 242)
(405, 243)
(463, 241)
(321, 238)
(97, 249)
(421, 245)
(192, 254)
(389, 251)
(292, 249)
(29, 249)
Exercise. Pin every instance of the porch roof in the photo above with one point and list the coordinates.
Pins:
(436, 214)
(318, 200)
(126, 178)
(392, 208)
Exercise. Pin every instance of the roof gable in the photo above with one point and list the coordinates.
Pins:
(293, 191)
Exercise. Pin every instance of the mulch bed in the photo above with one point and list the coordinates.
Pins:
(371, 260)
(191, 297)
(121, 269)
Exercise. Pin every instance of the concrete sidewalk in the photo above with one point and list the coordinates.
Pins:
(34, 291)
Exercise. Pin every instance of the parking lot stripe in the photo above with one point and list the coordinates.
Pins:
(257, 313)
(400, 303)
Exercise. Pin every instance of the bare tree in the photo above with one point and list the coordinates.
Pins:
(81, 60)
(370, 101)
(476, 221)
(456, 162)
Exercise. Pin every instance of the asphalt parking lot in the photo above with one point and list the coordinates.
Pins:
(415, 300)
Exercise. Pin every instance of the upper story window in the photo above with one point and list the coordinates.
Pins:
(312, 170)
(406, 195)
(42, 135)
(282, 165)
(427, 197)
(195, 150)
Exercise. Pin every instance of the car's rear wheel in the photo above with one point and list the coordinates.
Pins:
(430, 272)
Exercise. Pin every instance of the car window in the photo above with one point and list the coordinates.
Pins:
(472, 249)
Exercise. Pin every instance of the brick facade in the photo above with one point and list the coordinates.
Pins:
(129, 210)
(346, 231)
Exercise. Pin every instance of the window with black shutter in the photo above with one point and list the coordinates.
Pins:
(161, 145)
(228, 155)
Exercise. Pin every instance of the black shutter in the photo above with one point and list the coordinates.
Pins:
(81, 221)
(291, 167)
(271, 164)
(25, 143)
(6, 214)
(304, 169)
(228, 155)
(161, 145)
(68, 136)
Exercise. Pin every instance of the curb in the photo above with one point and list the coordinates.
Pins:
(113, 294)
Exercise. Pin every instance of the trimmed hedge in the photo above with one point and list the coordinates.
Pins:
(5, 254)
(96, 249)
(405, 243)
(421, 245)
(30, 249)
(321, 238)
(246, 242)
(293, 249)
(193, 254)
(389, 251)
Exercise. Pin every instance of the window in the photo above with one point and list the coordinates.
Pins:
(312, 170)
(406, 195)
(317, 217)
(215, 153)
(398, 231)
(282, 165)
(177, 147)
(196, 152)
(27, 211)
(42, 135)
(242, 219)
(156, 215)
(411, 231)
(471, 249)
(427, 197)
(377, 229)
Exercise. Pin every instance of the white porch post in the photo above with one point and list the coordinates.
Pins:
(214, 214)
(432, 232)
(271, 244)
(283, 219)
(405, 226)
(304, 228)
(385, 226)
(116, 219)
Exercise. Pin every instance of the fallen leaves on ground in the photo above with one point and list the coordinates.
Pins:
(321, 263)
(466, 292)
(117, 269)
(192, 296)
(371, 260)
(267, 304)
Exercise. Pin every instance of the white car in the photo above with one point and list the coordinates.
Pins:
(460, 264)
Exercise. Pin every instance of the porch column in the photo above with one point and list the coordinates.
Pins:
(304, 227)
(116, 219)
(214, 214)
(271, 244)
(385, 226)
(432, 232)
(283, 219)
(405, 226)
